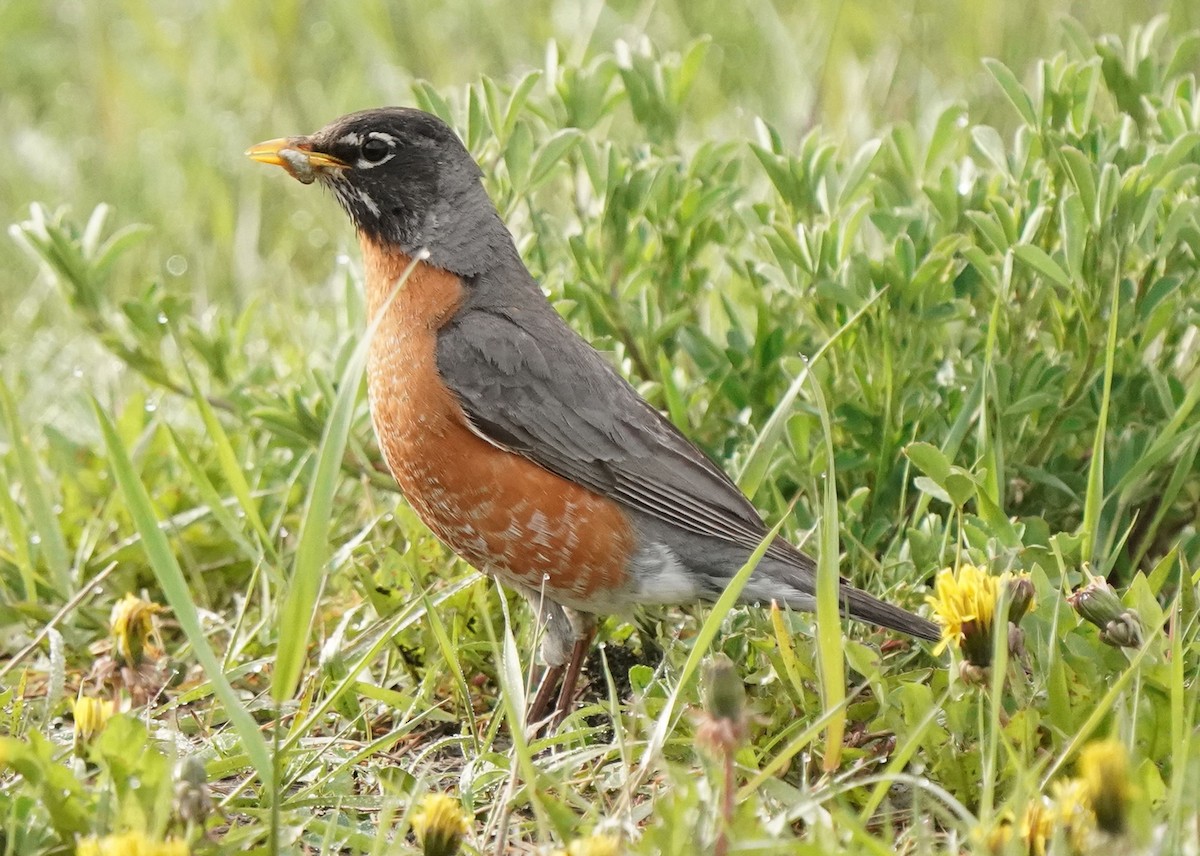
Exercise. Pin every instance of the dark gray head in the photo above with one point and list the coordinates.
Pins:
(406, 180)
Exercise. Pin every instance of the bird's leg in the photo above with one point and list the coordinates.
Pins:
(574, 666)
(541, 700)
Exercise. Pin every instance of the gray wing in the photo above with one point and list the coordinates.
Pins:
(528, 383)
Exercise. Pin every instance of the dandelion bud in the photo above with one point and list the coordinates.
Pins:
(1020, 597)
(1098, 603)
(722, 725)
(91, 715)
(193, 803)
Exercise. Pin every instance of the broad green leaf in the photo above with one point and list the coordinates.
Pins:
(1036, 258)
(1012, 90)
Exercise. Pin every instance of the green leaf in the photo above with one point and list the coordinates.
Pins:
(1082, 172)
(1013, 90)
(929, 460)
(551, 155)
(1036, 258)
(929, 486)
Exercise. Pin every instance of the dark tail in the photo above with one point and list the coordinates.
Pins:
(865, 607)
(786, 568)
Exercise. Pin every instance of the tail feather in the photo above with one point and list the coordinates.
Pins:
(865, 607)
(795, 572)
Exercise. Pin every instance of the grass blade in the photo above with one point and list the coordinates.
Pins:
(175, 589)
(830, 644)
(41, 509)
(1094, 502)
(312, 552)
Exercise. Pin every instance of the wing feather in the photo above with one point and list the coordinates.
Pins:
(528, 383)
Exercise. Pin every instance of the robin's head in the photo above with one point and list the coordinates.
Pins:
(405, 179)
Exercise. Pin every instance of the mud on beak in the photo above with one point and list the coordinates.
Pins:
(296, 156)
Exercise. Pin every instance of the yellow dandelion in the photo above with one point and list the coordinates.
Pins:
(997, 839)
(1037, 826)
(1104, 781)
(440, 825)
(91, 715)
(964, 604)
(1073, 816)
(132, 625)
(593, 845)
(130, 844)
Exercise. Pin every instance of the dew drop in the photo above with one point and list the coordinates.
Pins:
(151, 407)
(162, 318)
(77, 372)
(177, 265)
(35, 539)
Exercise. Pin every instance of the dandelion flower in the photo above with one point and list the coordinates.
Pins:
(1104, 777)
(440, 825)
(964, 604)
(593, 845)
(130, 844)
(132, 625)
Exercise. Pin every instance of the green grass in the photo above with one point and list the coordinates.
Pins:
(928, 309)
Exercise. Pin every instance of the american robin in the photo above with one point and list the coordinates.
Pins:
(511, 437)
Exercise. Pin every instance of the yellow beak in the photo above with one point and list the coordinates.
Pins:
(296, 156)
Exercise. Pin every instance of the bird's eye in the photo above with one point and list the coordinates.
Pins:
(374, 150)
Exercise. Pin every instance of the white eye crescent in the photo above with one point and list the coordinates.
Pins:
(377, 148)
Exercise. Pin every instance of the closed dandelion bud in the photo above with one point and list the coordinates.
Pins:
(722, 725)
(91, 715)
(440, 825)
(1123, 632)
(132, 625)
(192, 800)
(1020, 597)
(725, 696)
(1104, 773)
(1098, 604)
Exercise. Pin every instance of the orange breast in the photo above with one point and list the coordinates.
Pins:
(501, 512)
